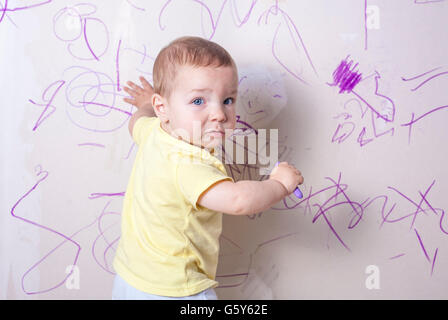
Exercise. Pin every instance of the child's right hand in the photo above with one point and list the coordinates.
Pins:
(141, 96)
(287, 175)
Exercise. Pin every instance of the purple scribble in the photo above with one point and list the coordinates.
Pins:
(434, 261)
(101, 236)
(91, 144)
(235, 15)
(87, 41)
(143, 53)
(87, 91)
(117, 67)
(42, 176)
(58, 32)
(81, 12)
(429, 79)
(346, 128)
(387, 118)
(361, 140)
(214, 22)
(101, 195)
(343, 131)
(417, 205)
(134, 6)
(397, 256)
(345, 76)
(47, 107)
(413, 120)
(422, 246)
(4, 8)
(420, 75)
(427, 1)
(246, 275)
(146, 60)
(161, 13)
(293, 32)
(325, 206)
(365, 25)
(343, 208)
(413, 214)
(105, 106)
(130, 150)
(422, 83)
(285, 21)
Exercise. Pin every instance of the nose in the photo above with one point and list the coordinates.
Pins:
(218, 113)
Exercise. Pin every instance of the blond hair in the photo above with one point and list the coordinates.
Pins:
(194, 51)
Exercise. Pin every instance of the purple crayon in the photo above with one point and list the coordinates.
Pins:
(297, 192)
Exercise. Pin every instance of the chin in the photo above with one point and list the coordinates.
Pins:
(212, 143)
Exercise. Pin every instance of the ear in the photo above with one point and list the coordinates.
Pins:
(159, 104)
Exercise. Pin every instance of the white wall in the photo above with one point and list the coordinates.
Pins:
(63, 170)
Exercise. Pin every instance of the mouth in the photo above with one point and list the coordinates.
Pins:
(216, 133)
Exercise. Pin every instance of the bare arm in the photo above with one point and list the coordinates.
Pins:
(243, 197)
(258, 196)
(248, 197)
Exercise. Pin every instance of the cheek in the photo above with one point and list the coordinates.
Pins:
(231, 117)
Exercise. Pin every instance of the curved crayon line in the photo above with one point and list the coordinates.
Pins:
(67, 238)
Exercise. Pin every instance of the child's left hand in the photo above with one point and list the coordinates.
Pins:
(141, 96)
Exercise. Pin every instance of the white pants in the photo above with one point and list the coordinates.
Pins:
(124, 291)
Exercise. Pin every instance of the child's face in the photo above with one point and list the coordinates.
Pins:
(202, 102)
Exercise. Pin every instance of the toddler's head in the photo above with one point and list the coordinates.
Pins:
(195, 84)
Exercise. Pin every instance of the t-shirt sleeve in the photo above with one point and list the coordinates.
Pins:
(142, 128)
(194, 179)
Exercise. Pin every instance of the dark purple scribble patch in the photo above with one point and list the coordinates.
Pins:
(382, 108)
(346, 77)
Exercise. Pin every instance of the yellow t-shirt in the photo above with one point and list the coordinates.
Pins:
(169, 245)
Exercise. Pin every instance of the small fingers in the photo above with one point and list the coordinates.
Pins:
(145, 83)
(130, 91)
(130, 101)
(134, 86)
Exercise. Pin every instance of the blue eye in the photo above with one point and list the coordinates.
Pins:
(198, 101)
(228, 101)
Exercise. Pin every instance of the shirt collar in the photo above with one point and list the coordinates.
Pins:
(184, 151)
